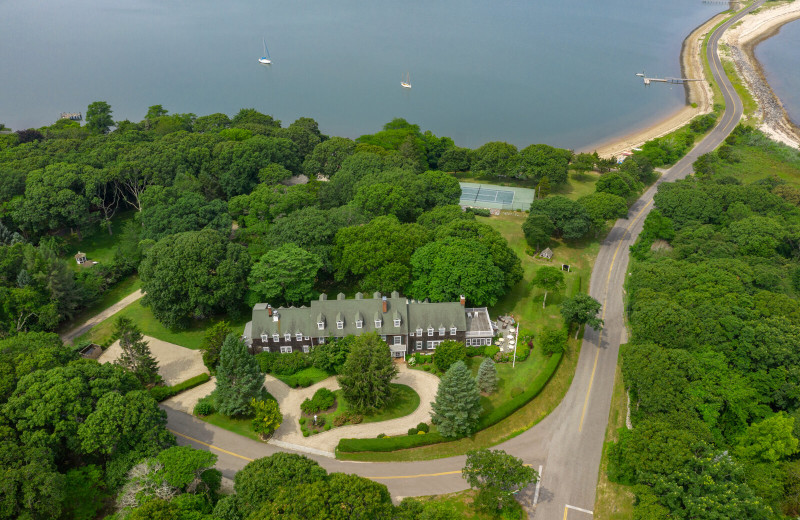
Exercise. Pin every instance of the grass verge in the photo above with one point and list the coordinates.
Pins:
(461, 502)
(613, 501)
(310, 375)
(748, 102)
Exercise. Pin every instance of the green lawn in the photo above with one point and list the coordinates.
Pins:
(512, 381)
(314, 374)
(239, 426)
(100, 246)
(525, 301)
(405, 401)
(462, 503)
(762, 162)
(107, 299)
(190, 337)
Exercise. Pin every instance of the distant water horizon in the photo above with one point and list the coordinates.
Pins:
(560, 73)
(780, 58)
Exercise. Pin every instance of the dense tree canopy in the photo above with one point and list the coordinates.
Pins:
(570, 219)
(193, 275)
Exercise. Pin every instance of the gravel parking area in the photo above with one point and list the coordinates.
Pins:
(175, 363)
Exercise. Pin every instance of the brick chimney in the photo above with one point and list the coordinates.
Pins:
(269, 310)
(385, 304)
(463, 301)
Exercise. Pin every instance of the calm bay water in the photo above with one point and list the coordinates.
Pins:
(518, 71)
(780, 59)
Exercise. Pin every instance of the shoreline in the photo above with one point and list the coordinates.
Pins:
(699, 92)
(742, 42)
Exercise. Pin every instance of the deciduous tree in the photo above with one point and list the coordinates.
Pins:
(98, 117)
(283, 275)
(581, 309)
(549, 279)
(447, 353)
(498, 474)
(212, 344)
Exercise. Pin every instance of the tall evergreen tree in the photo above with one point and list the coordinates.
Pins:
(367, 374)
(458, 402)
(487, 376)
(238, 378)
(136, 355)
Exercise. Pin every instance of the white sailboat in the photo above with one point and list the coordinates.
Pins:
(265, 59)
(405, 83)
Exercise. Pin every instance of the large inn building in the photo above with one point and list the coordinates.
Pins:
(406, 325)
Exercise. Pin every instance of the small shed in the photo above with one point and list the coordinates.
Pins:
(547, 253)
(91, 351)
(80, 258)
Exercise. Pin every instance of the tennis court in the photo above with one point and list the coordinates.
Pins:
(495, 197)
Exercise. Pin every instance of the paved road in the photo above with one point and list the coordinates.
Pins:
(568, 443)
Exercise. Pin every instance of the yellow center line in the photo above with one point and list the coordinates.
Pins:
(211, 446)
(565, 512)
(605, 301)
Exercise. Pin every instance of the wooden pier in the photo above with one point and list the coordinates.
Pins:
(74, 116)
(672, 81)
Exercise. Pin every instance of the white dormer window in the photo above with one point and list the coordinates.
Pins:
(359, 324)
(340, 325)
(441, 331)
(419, 332)
(377, 324)
(299, 336)
(265, 337)
(453, 331)
(287, 336)
(320, 325)
(397, 322)
(276, 337)
(430, 331)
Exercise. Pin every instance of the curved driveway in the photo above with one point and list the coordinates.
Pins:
(569, 442)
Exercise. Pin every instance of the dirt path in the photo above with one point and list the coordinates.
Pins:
(94, 320)
(175, 363)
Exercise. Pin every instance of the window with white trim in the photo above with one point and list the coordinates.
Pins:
(265, 337)
(378, 324)
(320, 341)
(398, 340)
(433, 344)
(397, 322)
(419, 332)
(340, 325)
(320, 325)
(276, 337)
(306, 338)
(286, 350)
(441, 331)
(430, 331)
(419, 345)
(287, 336)
(306, 349)
(264, 349)
(359, 324)
(383, 337)
(299, 336)
(453, 331)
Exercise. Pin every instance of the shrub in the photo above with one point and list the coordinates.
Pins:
(420, 432)
(327, 427)
(480, 212)
(302, 421)
(447, 353)
(474, 351)
(388, 443)
(321, 421)
(322, 400)
(159, 393)
(412, 431)
(305, 432)
(426, 368)
(490, 350)
(523, 351)
(381, 435)
(268, 417)
(340, 420)
(423, 427)
(203, 408)
(266, 361)
(289, 364)
(412, 361)
(304, 382)
(553, 341)
(356, 419)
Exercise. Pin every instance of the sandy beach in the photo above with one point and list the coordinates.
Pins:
(698, 93)
(741, 40)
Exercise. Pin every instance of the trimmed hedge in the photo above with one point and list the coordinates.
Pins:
(159, 393)
(492, 418)
(389, 443)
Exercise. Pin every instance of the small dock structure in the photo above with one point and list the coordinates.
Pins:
(73, 116)
(672, 81)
